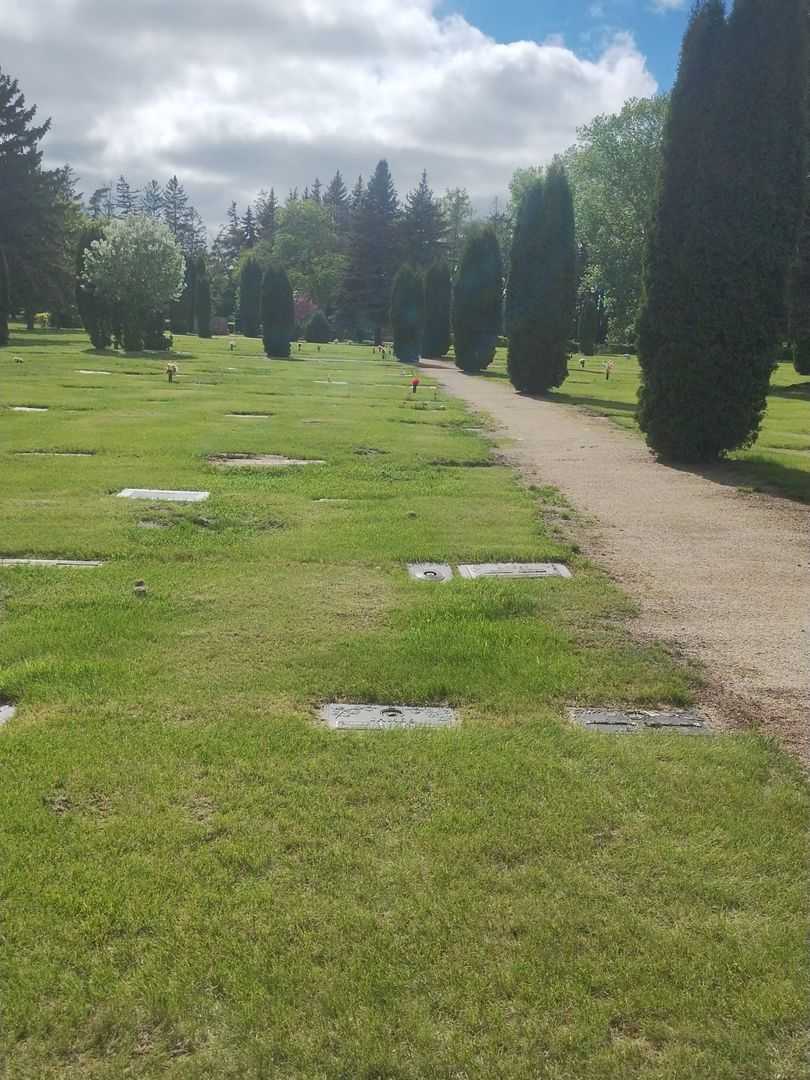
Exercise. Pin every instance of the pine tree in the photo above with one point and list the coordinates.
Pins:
(317, 189)
(176, 209)
(541, 301)
(719, 250)
(95, 204)
(478, 301)
(278, 312)
(5, 301)
(249, 230)
(126, 200)
(423, 225)
(438, 304)
(152, 200)
(408, 314)
(203, 303)
(336, 201)
(234, 235)
(266, 217)
(373, 252)
(317, 329)
(250, 297)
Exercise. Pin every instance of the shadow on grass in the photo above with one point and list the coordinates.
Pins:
(800, 391)
(756, 475)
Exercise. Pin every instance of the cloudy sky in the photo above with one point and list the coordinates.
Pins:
(246, 94)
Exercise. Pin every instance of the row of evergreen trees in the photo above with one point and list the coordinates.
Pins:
(725, 230)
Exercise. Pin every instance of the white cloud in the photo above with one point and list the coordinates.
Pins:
(662, 6)
(258, 92)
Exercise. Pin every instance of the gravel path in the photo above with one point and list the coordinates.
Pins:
(720, 575)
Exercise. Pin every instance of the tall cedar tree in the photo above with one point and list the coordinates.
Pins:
(542, 295)
(799, 328)
(203, 302)
(588, 324)
(94, 312)
(719, 251)
(423, 226)
(278, 312)
(408, 314)
(317, 329)
(4, 299)
(478, 301)
(250, 297)
(438, 305)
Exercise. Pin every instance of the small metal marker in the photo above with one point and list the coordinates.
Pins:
(341, 717)
(638, 721)
(51, 562)
(430, 571)
(514, 570)
(156, 495)
(7, 712)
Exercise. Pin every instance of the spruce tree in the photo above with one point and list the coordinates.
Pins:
(152, 200)
(278, 312)
(4, 299)
(266, 216)
(250, 297)
(478, 301)
(203, 303)
(438, 305)
(317, 329)
(423, 226)
(408, 314)
(541, 299)
(249, 229)
(336, 201)
(126, 200)
(94, 312)
(725, 228)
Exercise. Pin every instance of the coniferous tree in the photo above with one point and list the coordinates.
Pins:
(438, 305)
(458, 213)
(317, 329)
(478, 301)
(126, 199)
(408, 314)
(541, 301)
(719, 251)
(336, 201)
(203, 302)
(588, 324)
(176, 209)
(317, 190)
(278, 312)
(249, 230)
(152, 200)
(4, 299)
(267, 217)
(250, 297)
(423, 226)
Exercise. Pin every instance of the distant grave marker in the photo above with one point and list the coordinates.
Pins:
(249, 416)
(29, 408)
(340, 717)
(7, 712)
(514, 570)
(84, 371)
(54, 453)
(260, 461)
(637, 721)
(158, 495)
(430, 571)
(50, 562)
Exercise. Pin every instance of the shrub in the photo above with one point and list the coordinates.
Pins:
(250, 297)
(438, 304)
(408, 314)
(277, 311)
(478, 301)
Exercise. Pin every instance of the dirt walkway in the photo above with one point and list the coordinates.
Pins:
(720, 575)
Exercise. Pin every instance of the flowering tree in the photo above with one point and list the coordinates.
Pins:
(137, 267)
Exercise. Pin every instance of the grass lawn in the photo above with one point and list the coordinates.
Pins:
(779, 462)
(198, 881)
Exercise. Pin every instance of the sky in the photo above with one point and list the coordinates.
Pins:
(250, 94)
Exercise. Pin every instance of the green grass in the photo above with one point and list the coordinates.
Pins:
(200, 882)
(779, 461)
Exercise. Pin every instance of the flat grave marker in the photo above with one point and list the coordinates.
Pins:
(29, 408)
(341, 717)
(260, 461)
(514, 570)
(49, 562)
(7, 712)
(159, 495)
(638, 721)
(87, 371)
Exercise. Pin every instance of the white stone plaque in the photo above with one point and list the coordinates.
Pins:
(7, 712)
(261, 461)
(514, 570)
(157, 495)
(50, 562)
(341, 717)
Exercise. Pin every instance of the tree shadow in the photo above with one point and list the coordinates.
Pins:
(795, 392)
(755, 476)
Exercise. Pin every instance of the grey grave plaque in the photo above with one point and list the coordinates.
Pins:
(249, 415)
(157, 495)
(430, 571)
(341, 717)
(637, 721)
(7, 712)
(261, 461)
(329, 382)
(515, 570)
(50, 562)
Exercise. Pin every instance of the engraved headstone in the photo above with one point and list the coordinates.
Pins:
(158, 495)
(342, 717)
(514, 570)
(430, 571)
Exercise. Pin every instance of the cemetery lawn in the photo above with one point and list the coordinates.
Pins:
(778, 463)
(199, 881)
